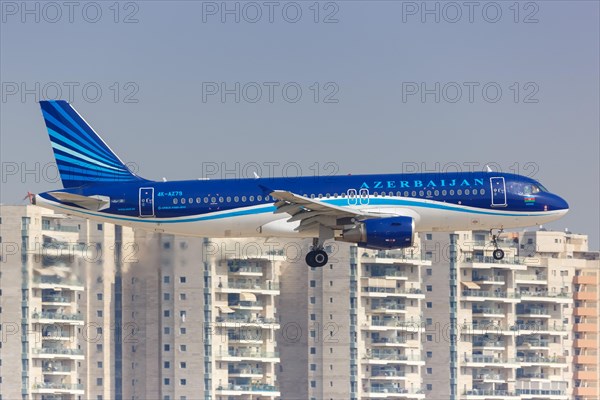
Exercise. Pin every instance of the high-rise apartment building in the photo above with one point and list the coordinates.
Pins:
(97, 311)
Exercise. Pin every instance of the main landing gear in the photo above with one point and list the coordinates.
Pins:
(498, 253)
(317, 257)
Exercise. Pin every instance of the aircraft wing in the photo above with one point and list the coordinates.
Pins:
(96, 203)
(310, 211)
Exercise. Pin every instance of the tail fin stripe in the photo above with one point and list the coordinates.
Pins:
(90, 161)
(69, 165)
(59, 126)
(86, 131)
(63, 141)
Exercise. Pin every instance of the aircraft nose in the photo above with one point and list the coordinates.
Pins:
(558, 203)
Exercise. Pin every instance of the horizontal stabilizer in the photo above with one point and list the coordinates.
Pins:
(95, 203)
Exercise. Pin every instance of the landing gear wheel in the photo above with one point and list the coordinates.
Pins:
(316, 258)
(498, 254)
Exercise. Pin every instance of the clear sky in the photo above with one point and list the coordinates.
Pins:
(188, 89)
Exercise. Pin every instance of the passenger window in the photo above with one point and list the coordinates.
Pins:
(243, 198)
(206, 199)
(421, 193)
(414, 194)
(444, 192)
(175, 201)
(406, 193)
(436, 193)
(198, 200)
(459, 192)
(190, 200)
(236, 199)
(259, 198)
(213, 199)
(467, 191)
(228, 199)
(251, 198)
(452, 192)
(182, 201)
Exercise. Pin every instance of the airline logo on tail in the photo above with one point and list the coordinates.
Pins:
(81, 155)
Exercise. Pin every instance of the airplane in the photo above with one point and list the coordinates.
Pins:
(381, 211)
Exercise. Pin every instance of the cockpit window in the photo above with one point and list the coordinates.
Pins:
(535, 189)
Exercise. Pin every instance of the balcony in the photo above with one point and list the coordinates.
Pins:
(267, 287)
(388, 308)
(530, 361)
(508, 262)
(532, 343)
(548, 394)
(57, 318)
(50, 369)
(244, 269)
(247, 372)
(588, 278)
(392, 357)
(242, 321)
(585, 327)
(544, 295)
(256, 389)
(488, 312)
(489, 394)
(393, 392)
(489, 279)
(489, 345)
(585, 359)
(532, 279)
(533, 312)
(58, 353)
(586, 343)
(246, 338)
(376, 291)
(489, 378)
(56, 388)
(56, 282)
(387, 374)
(585, 295)
(481, 361)
(586, 375)
(56, 300)
(588, 311)
(482, 295)
(393, 324)
(591, 392)
(398, 341)
(237, 355)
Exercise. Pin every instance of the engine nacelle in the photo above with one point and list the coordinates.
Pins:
(382, 233)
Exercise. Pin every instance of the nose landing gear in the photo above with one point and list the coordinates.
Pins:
(498, 253)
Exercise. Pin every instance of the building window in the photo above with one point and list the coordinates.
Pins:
(99, 364)
(428, 236)
(167, 347)
(429, 354)
(313, 350)
(99, 227)
(313, 384)
(183, 365)
(429, 321)
(313, 283)
(99, 313)
(182, 331)
(167, 364)
(429, 288)
(429, 371)
(167, 313)
(313, 300)
(183, 382)
(98, 381)
(166, 279)
(167, 330)
(167, 381)
(429, 304)
(99, 296)
(182, 279)
(430, 338)
(167, 296)
(182, 296)
(183, 347)
(429, 271)
(313, 367)
(429, 386)
(313, 317)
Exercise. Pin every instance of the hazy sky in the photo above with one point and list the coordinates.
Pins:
(189, 89)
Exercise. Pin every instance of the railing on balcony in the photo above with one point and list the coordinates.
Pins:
(57, 386)
(246, 320)
(56, 368)
(244, 353)
(248, 388)
(495, 377)
(245, 371)
(376, 289)
(58, 351)
(486, 310)
(493, 278)
(57, 316)
(388, 306)
(489, 392)
(56, 280)
(486, 293)
(392, 340)
(249, 285)
(55, 299)
(384, 355)
(541, 392)
(393, 389)
(388, 372)
(60, 228)
(531, 277)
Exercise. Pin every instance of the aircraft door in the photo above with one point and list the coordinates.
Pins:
(146, 202)
(498, 188)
